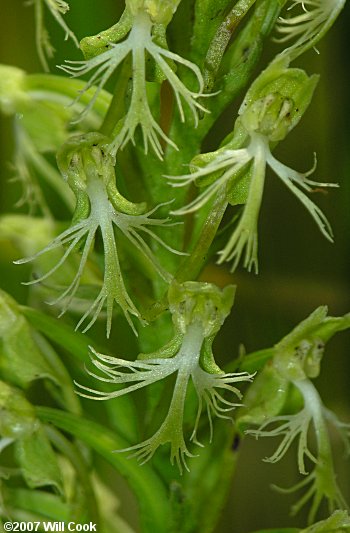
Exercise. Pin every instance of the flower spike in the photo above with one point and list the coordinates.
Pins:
(139, 43)
(198, 310)
(89, 171)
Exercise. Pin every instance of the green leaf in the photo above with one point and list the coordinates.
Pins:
(74, 342)
(38, 461)
(20, 359)
(63, 392)
(17, 418)
(84, 501)
(122, 412)
(39, 502)
(149, 490)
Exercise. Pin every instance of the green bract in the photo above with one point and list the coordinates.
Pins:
(16, 339)
(200, 302)
(17, 415)
(277, 100)
(160, 11)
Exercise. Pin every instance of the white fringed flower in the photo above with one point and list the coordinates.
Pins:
(296, 360)
(103, 217)
(291, 427)
(272, 107)
(322, 480)
(244, 238)
(138, 374)
(306, 28)
(322, 485)
(230, 162)
(139, 43)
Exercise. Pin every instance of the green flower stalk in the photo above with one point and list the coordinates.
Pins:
(57, 8)
(89, 171)
(296, 361)
(141, 20)
(198, 310)
(272, 107)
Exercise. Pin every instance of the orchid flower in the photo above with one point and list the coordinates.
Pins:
(297, 359)
(307, 26)
(269, 111)
(90, 174)
(198, 311)
(140, 43)
(322, 479)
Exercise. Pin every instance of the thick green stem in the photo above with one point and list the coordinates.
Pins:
(116, 108)
(221, 40)
(194, 263)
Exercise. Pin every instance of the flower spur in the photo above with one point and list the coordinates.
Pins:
(198, 310)
(89, 171)
(140, 42)
(270, 110)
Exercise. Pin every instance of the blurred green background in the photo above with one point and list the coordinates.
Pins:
(299, 269)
